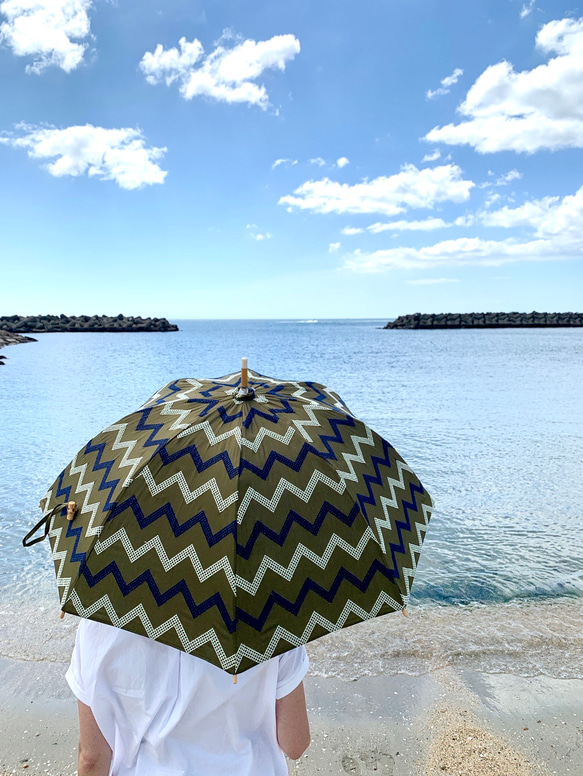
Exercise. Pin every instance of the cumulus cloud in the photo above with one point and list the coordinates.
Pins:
(409, 188)
(333, 247)
(446, 84)
(433, 156)
(526, 9)
(554, 228)
(351, 230)
(286, 162)
(50, 31)
(529, 110)
(342, 162)
(318, 161)
(120, 155)
(226, 74)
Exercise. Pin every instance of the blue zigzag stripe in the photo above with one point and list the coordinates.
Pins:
(147, 578)
(154, 428)
(259, 529)
(178, 528)
(212, 538)
(369, 479)
(399, 524)
(181, 588)
(264, 471)
(310, 586)
(173, 388)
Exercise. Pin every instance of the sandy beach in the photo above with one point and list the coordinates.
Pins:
(449, 722)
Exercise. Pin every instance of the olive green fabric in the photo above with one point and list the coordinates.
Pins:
(237, 529)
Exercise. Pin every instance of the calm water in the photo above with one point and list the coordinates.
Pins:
(491, 421)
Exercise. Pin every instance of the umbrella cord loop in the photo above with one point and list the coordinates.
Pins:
(28, 541)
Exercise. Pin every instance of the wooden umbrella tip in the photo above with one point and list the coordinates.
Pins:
(234, 678)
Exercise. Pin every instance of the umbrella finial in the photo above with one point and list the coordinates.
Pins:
(244, 393)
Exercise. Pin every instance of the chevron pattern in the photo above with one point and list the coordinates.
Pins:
(236, 530)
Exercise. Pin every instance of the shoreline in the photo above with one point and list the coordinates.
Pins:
(446, 722)
(8, 338)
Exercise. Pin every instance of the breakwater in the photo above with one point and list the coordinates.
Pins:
(485, 320)
(9, 338)
(39, 324)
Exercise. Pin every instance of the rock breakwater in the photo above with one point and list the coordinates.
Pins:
(39, 324)
(485, 320)
(9, 338)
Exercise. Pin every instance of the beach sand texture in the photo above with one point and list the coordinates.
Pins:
(450, 722)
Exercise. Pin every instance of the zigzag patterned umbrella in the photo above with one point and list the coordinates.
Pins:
(236, 525)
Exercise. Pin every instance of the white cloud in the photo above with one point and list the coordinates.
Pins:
(120, 155)
(529, 110)
(556, 226)
(318, 161)
(432, 281)
(433, 156)
(333, 247)
(47, 30)
(342, 162)
(226, 74)
(446, 84)
(410, 188)
(286, 162)
(502, 180)
(526, 9)
(425, 225)
(254, 235)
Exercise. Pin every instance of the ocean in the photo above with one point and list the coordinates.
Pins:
(491, 421)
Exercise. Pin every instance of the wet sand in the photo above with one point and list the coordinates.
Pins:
(450, 722)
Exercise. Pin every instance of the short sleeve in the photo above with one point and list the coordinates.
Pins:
(293, 666)
(74, 675)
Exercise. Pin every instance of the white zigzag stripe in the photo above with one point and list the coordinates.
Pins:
(188, 495)
(236, 582)
(359, 457)
(182, 414)
(300, 552)
(168, 563)
(60, 557)
(393, 501)
(119, 445)
(408, 573)
(284, 485)
(236, 434)
(231, 661)
(87, 489)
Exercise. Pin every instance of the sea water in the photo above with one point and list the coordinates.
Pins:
(491, 421)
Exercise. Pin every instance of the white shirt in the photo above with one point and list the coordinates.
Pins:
(166, 713)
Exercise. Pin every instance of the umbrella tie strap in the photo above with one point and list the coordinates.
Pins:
(28, 541)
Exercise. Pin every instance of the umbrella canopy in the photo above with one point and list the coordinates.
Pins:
(236, 526)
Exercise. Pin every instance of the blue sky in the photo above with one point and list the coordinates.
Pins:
(432, 156)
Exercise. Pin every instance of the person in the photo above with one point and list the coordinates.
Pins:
(148, 709)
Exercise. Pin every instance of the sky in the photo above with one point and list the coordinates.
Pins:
(268, 159)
